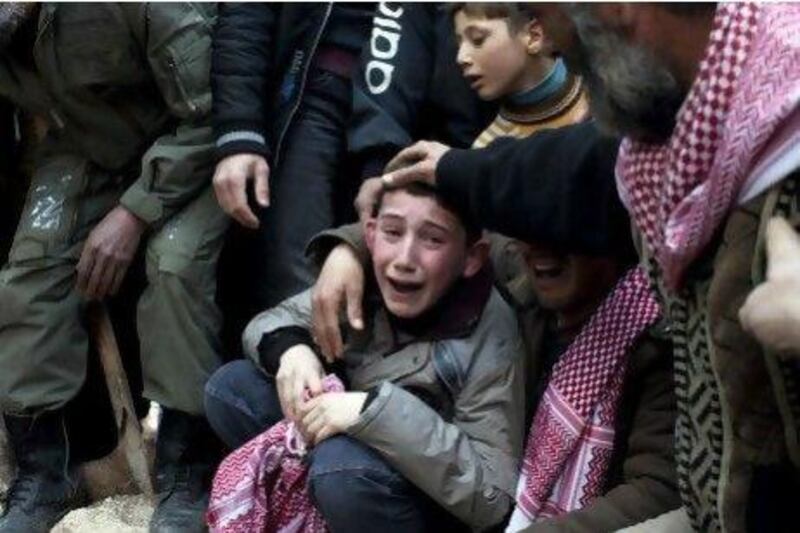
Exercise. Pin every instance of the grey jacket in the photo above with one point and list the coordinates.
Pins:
(448, 413)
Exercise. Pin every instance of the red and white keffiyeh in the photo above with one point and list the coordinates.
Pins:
(263, 486)
(572, 435)
(740, 112)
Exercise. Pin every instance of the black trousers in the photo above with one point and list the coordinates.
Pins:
(310, 190)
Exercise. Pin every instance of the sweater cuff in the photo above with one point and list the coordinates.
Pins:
(274, 345)
(372, 393)
(241, 141)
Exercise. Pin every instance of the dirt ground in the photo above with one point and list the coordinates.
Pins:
(116, 507)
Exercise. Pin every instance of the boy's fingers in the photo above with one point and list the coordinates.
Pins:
(783, 251)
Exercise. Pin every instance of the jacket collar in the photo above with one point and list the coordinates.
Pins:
(454, 316)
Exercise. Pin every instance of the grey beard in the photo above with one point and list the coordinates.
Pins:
(631, 93)
(12, 16)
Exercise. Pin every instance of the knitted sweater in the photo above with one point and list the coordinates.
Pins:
(569, 105)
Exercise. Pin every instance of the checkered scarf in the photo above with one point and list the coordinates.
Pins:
(262, 486)
(679, 192)
(572, 435)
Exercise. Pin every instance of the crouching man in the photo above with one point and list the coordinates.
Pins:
(429, 435)
(127, 160)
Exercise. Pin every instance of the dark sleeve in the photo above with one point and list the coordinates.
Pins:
(647, 482)
(391, 85)
(556, 187)
(242, 68)
(274, 345)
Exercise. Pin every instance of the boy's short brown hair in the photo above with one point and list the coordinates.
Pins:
(472, 228)
(515, 14)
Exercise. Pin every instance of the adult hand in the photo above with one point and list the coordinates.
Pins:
(230, 186)
(415, 163)
(108, 253)
(329, 414)
(340, 284)
(772, 311)
(299, 370)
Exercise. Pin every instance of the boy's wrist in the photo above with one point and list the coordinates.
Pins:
(274, 345)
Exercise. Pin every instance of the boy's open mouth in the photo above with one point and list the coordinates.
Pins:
(405, 287)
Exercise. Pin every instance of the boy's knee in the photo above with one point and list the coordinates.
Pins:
(346, 474)
(223, 390)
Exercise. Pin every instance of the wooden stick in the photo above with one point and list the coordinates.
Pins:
(128, 428)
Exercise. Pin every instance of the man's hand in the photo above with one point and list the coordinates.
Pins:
(108, 253)
(340, 283)
(230, 186)
(329, 414)
(772, 311)
(415, 163)
(299, 370)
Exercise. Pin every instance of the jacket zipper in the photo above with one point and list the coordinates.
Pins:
(303, 78)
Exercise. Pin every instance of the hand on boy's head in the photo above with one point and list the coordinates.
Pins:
(340, 285)
(299, 370)
(772, 311)
(416, 163)
(330, 414)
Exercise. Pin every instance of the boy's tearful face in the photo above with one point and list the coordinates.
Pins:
(419, 250)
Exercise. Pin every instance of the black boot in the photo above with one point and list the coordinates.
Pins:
(46, 487)
(187, 454)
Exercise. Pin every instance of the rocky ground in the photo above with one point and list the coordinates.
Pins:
(115, 507)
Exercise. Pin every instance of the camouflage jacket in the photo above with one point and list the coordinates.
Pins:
(125, 86)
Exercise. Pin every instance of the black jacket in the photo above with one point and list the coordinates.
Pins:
(261, 56)
(409, 87)
(555, 187)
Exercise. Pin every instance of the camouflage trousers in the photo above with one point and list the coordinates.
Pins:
(44, 343)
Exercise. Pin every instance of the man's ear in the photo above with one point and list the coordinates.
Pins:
(477, 255)
(534, 37)
(370, 228)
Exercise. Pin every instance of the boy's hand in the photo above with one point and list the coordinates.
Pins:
(340, 283)
(230, 186)
(330, 413)
(772, 311)
(299, 370)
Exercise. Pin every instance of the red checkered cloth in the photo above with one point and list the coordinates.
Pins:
(572, 436)
(747, 88)
(263, 486)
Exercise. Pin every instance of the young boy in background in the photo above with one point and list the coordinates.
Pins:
(431, 430)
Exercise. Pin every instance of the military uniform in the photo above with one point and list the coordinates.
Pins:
(126, 90)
